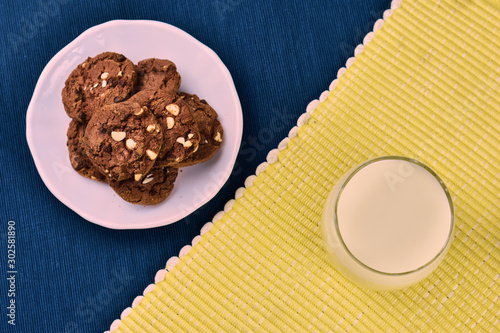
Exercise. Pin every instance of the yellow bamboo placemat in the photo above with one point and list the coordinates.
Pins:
(425, 85)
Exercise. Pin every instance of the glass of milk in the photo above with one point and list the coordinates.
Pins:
(388, 223)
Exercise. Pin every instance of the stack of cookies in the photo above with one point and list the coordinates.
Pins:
(132, 129)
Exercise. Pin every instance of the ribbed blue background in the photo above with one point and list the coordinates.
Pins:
(74, 276)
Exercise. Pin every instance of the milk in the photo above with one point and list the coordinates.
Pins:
(388, 223)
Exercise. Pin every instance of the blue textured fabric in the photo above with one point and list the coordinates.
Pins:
(74, 276)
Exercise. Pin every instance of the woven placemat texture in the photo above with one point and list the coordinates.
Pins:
(427, 86)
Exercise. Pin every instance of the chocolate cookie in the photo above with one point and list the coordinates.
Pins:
(104, 79)
(154, 74)
(77, 156)
(123, 140)
(151, 189)
(180, 132)
(210, 128)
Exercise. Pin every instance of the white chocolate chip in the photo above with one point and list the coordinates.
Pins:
(181, 140)
(187, 144)
(170, 122)
(104, 75)
(148, 179)
(217, 137)
(104, 83)
(130, 144)
(137, 176)
(95, 85)
(118, 136)
(151, 128)
(190, 135)
(138, 113)
(152, 155)
(173, 109)
(120, 74)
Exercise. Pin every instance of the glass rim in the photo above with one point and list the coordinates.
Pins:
(358, 168)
